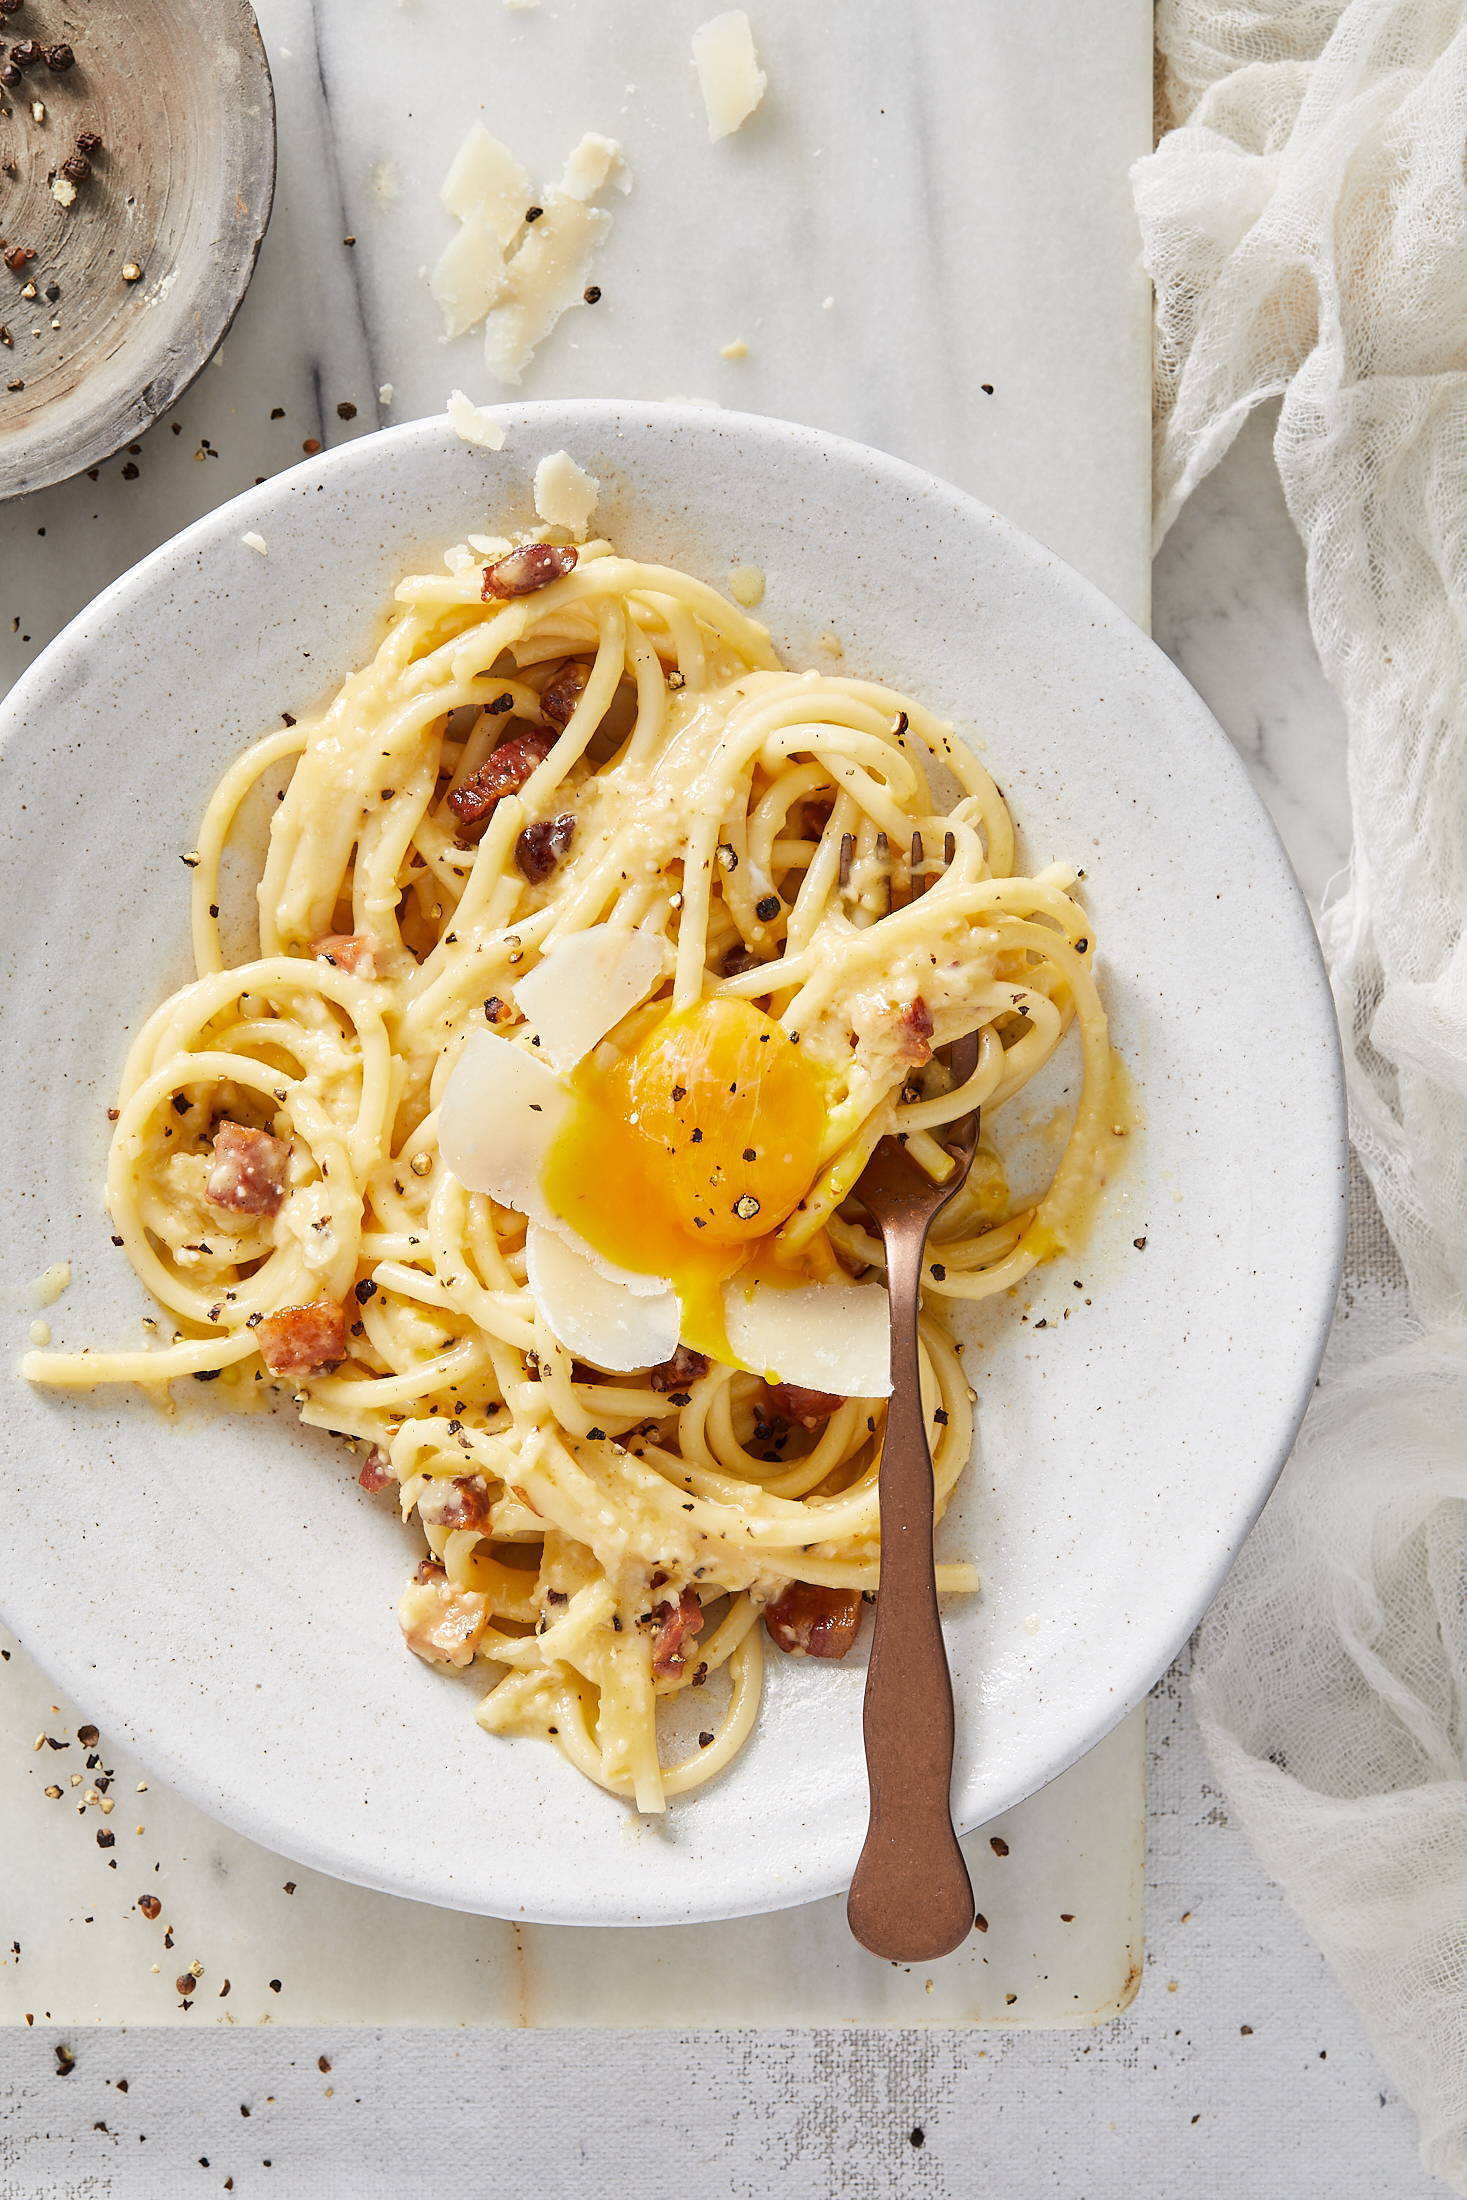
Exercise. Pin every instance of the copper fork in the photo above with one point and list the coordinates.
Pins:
(911, 1898)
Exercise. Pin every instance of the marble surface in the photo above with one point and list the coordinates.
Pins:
(1239, 2068)
(952, 278)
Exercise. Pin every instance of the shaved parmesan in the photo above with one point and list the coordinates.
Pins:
(729, 75)
(591, 165)
(593, 1314)
(486, 179)
(565, 495)
(501, 1109)
(584, 987)
(546, 276)
(824, 1336)
(468, 277)
(475, 423)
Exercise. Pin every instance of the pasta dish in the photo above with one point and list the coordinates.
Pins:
(524, 1152)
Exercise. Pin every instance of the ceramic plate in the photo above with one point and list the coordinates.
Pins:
(219, 1592)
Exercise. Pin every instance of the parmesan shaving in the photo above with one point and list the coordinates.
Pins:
(486, 179)
(565, 495)
(546, 277)
(475, 423)
(257, 543)
(468, 276)
(729, 75)
(517, 275)
(591, 166)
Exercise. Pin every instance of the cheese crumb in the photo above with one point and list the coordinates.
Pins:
(40, 1335)
(738, 349)
(729, 75)
(746, 585)
(63, 190)
(826, 304)
(47, 1288)
(385, 393)
(475, 423)
(565, 494)
(255, 542)
(38, 110)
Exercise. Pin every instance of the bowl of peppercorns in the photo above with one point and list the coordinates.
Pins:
(137, 166)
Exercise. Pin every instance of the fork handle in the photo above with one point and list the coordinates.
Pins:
(911, 1898)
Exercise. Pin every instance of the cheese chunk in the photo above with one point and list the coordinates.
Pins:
(475, 423)
(565, 494)
(729, 75)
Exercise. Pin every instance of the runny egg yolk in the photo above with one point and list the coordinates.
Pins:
(682, 1156)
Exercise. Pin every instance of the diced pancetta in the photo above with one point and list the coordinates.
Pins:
(541, 846)
(812, 1622)
(915, 1031)
(354, 952)
(809, 1407)
(441, 1623)
(303, 1340)
(676, 1623)
(248, 1172)
(462, 1502)
(504, 771)
(376, 1473)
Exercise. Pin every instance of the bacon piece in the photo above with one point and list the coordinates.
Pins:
(681, 1371)
(541, 846)
(559, 697)
(376, 1471)
(812, 1622)
(534, 565)
(303, 1340)
(916, 1031)
(675, 1623)
(249, 1170)
(440, 1623)
(462, 1502)
(354, 952)
(503, 771)
(808, 1407)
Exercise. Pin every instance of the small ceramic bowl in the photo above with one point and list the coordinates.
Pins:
(215, 1587)
(142, 242)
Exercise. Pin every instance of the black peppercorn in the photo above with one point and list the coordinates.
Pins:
(11, 7)
(592, 294)
(76, 167)
(18, 258)
(10, 77)
(60, 57)
(26, 54)
(767, 909)
(89, 142)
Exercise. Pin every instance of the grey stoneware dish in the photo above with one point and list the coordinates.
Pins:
(139, 179)
(218, 1591)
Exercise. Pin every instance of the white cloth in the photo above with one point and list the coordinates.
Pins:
(1305, 224)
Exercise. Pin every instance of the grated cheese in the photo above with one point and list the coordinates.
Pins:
(255, 542)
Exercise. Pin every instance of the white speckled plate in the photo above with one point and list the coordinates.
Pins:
(219, 1591)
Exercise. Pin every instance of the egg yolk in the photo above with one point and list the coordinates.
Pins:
(680, 1157)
